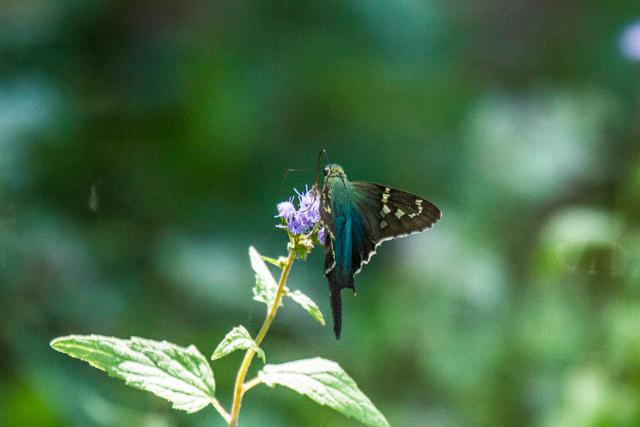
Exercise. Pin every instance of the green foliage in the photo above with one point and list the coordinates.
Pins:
(265, 288)
(237, 339)
(179, 374)
(503, 315)
(307, 303)
(184, 377)
(326, 383)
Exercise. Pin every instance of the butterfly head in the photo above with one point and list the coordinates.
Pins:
(333, 170)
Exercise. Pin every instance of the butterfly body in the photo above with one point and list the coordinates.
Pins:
(357, 217)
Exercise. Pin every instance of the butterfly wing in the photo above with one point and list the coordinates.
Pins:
(389, 213)
(357, 224)
(326, 221)
(337, 268)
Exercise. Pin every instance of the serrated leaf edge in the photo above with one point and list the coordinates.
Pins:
(204, 385)
(247, 343)
(264, 377)
(311, 307)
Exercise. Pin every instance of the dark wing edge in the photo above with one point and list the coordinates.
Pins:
(335, 298)
(390, 213)
(326, 221)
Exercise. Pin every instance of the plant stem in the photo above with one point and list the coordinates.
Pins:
(239, 390)
(220, 409)
(251, 383)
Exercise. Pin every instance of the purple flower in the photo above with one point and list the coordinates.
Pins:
(308, 200)
(286, 210)
(321, 235)
(630, 42)
(304, 219)
(309, 206)
(297, 224)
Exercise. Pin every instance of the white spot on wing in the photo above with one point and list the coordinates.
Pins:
(379, 242)
(385, 195)
(333, 265)
(419, 204)
(399, 213)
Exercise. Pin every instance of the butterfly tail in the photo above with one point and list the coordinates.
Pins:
(336, 311)
(340, 275)
(335, 287)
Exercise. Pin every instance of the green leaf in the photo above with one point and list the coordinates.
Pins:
(307, 303)
(266, 286)
(326, 383)
(277, 262)
(179, 374)
(237, 339)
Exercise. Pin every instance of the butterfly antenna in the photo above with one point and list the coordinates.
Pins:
(323, 151)
(286, 173)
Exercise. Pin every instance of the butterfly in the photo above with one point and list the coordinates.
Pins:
(357, 217)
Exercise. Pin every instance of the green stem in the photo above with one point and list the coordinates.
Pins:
(239, 390)
(220, 409)
(251, 384)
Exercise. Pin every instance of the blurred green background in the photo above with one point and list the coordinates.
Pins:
(143, 146)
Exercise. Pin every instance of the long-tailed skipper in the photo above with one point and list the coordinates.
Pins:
(357, 217)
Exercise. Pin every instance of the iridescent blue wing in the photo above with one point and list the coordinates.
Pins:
(356, 225)
(342, 224)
